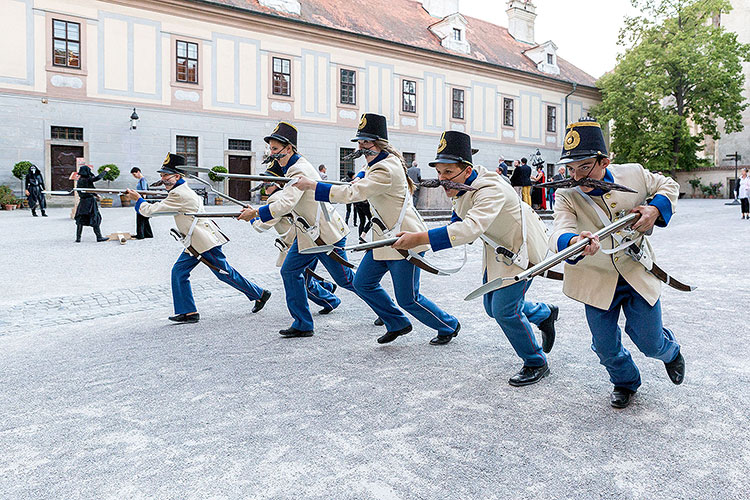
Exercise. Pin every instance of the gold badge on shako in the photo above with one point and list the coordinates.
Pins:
(572, 140)
(443, 144)
(166, 160)
(362, 122)
(276, 129)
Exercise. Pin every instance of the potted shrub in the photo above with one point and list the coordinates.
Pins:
(695, 183)
(715, 189)
(7, 199)
(215, 177)
(113, 174)
(20, 170)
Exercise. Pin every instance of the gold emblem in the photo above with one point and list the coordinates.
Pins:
(572, 140)
(443, 144)
(362, 123)
(166, 160)
(276, 129)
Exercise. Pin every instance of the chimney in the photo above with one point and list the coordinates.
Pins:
(440, 8)
(521, 15)
(288, 6)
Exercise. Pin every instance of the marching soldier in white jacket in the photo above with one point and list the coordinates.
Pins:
(202, 239)
(611, 275)
(512, 236)
(315, 224)
(318, 291)
(388, 189)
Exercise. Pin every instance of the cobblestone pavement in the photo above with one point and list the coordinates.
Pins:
(102, 397)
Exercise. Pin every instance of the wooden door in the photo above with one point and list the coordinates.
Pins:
(238, 188)
(63, 162)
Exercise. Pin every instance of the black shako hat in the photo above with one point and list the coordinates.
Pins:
(284, 132)
(454, 147)
(171, 162)
(583, 140)
(372, 127)
(274, 170)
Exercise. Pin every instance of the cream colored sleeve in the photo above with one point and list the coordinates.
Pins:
(287, 200)
(657, 183)
(376, 181)
(172, 203)
(488, 203)
(565, 220)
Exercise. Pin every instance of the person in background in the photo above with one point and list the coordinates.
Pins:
(350, 206)
(560, 175)
(34, 187)
(322, 171)
(525, 173)
(416, 177)
(142, 224)
(515, 179)
(87, 211)
(538, 198)
(743, 193)
(502, 167)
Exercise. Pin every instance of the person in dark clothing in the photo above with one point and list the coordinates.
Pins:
(142, 224)
(350, 178)
(362, 209)
(87, 212)
(34, 187)
(525, 173)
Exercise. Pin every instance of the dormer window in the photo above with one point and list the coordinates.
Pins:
(550, 59)
(452, 32)
(544, 56)
(457, 34)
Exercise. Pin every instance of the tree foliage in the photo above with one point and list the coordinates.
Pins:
(680, 73)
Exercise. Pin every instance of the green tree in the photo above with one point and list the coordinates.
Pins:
(680, 68)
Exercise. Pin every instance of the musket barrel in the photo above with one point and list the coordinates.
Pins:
(572, 250)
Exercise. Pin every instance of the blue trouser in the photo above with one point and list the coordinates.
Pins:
(509, 307)
(320, 292)
(182, 294)
(405, 276)
(292, 273)
(642, 324)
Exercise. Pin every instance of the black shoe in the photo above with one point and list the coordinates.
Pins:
(102, 238)
(676, 369)
(33, 212)
(547, 327)
(529, 375)
(293, 332)
(621, 397)
(326, 310)
(44, 214)
(261, 301)
(391, 336)
(185, 318)
(378, 322)
(444, 339)
(78, 240)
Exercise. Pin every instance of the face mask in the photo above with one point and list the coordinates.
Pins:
(360, 152)
(273, 157)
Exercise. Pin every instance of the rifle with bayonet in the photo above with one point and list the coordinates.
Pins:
(103, 191)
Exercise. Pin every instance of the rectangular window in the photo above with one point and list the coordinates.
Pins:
(240, 145)
(457, 34)
(409, 96)
(282, 76)
(66, 44)
(344, 164)
(458, 104)
(188, 147)
(187, 62)
(348, 87)
(507, 112)
(67, 133)
(551, 119)
(550, 59)
(409, 158)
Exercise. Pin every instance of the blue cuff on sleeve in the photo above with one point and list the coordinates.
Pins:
(323, 192)
(265, 213)
(360, 174)
(138, 204)
(664, 206)
(254, 219)
(455, 218)
(439, 239)
(563, 242)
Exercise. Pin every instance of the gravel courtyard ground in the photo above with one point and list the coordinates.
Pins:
(101, 397)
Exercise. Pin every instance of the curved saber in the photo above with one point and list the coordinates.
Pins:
(555, 259)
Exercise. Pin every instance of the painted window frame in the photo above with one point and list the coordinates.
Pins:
(183, 150)
(187, 59)
(405, 93)
(67, 41)
(454, 101)
(288, 93)
(512, 122)
(352, 85)
(551, 119)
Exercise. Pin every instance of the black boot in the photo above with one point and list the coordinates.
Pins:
(621, 397)
(529, 375)
(79, 230)
(44, 214)
(676, 369)
(33, 212)
(262, 301)
(547, 327)
(98, 233)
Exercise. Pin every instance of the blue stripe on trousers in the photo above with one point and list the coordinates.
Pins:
(292, 274)
(405, 277)
(509, 307)
(182, 293)
(643, 324)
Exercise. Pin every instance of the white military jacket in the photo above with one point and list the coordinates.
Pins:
(493, 210)
(283, 225)
(206, 234)
(593, 279)
(385, 187)
(302, 204)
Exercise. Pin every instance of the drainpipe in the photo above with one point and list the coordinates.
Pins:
(575, 86)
